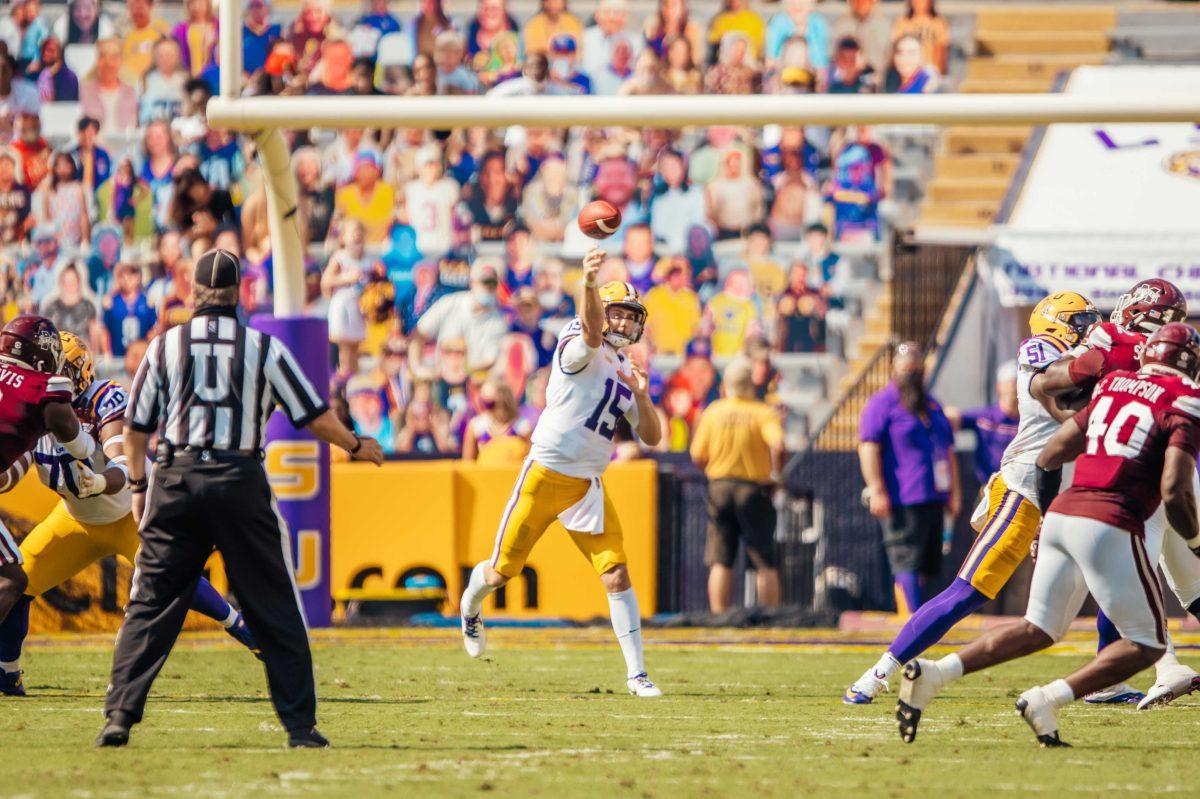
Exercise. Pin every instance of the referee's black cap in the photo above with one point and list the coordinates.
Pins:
(218, 269)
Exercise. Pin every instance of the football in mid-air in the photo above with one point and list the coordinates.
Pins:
(599, 219)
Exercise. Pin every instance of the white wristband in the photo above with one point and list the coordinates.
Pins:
(81, 447)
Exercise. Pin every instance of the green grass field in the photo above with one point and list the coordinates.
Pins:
(546, 715)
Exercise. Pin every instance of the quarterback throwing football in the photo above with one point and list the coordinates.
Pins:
(592, 386)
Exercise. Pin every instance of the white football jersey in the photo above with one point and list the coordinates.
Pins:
(1036, 426)
(103, 402)
(574, 434)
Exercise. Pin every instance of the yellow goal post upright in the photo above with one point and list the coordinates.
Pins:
(265, 117)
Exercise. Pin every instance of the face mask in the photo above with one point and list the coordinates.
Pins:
(560, 67)
(484, 297)
(548, 299)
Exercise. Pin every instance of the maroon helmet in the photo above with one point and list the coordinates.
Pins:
(32, 341)
(1175, 346)
(1149, 305)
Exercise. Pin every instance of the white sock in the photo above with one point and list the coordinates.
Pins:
(1168, 659)
(231, 619)
(887, 666)
(951, 666)
(10, 665)
(1059, 693)
(477, 590)
(627, 624)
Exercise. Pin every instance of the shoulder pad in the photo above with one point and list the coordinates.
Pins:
(1101, 337)
(572, 328)
(106, 401)
(1040, 351)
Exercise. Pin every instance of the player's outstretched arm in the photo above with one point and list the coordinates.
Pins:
(61, 420)
(14, 473)
(1064, 446)
(591, 308)
(1179, 499)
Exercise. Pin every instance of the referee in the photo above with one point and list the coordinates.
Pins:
(207, 388)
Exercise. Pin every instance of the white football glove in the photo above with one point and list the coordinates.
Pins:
(87, 483)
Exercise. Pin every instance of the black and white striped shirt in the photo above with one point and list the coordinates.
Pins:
(213, 383)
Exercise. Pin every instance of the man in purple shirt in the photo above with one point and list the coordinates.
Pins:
(995, 425)
(906, 451)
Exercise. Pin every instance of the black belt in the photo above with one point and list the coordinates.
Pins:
(167, 453)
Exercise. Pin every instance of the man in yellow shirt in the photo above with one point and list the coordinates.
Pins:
(739, 444)
(552, 20)
(139, 33)
(674, 311)
(732, 314)
(367, 199)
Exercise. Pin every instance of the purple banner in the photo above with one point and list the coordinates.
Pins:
(298, 467)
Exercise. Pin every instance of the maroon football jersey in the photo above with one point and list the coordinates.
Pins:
(23, 393)
(1109, 349)
(1131, 421)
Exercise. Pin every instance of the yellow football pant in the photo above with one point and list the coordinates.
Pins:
(61, 547)
(1011, 525)
(540, 495)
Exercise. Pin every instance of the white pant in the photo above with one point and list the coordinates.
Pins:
(1078, 555)
(1166, 547)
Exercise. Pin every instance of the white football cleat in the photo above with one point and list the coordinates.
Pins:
(1040, 715)
(1119, 694)
(1172, 682)
(641, 686)
(474, 638)
(864, 691)
(922, 681)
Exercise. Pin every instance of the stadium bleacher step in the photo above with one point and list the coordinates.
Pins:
(997, 139)
(993, 42)
(977, 167)
(949, 190)
(970, 214)
(1013, 18)
(1022, 67)
(1006, 85)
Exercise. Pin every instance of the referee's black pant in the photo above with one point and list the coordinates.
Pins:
(195, 504)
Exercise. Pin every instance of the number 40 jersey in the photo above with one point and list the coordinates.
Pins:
(584, 401)
(1132, 420)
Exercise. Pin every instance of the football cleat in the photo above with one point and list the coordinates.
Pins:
(240, 632)
(1039, 714)
(922, 681)
(641, 686)
(11, 683)
(1172, 683)
(307, 739)
(864, 691)
(116, 730)
(1119, 694)
(474, 638)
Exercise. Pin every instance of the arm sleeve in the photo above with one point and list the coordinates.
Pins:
(873, 425)
(1087, 368)
(291, 389)
(147, 397)
(574, 354)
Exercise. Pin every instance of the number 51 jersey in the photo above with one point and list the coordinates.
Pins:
(574, 434)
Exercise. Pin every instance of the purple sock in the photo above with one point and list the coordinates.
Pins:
(935, 618)
(1106, 631)
(206, 600)
(13, 630)
(908, 592)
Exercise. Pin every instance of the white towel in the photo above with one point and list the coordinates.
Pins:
(586, 515)
(980, 515)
